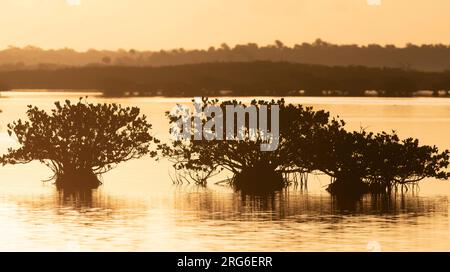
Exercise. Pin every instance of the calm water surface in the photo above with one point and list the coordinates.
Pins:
(138, 208)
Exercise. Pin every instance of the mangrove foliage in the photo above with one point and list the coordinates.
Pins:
(79, 141)
(310, 142)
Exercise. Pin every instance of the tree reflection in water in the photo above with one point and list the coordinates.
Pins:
(300, 206)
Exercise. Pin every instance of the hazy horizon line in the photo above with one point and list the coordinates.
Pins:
(384, 45)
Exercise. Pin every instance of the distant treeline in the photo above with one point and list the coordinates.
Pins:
(239, 78)
(429, 57)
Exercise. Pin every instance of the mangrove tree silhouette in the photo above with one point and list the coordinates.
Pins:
(253, 170)
(310, 142)
(362, 162)
(79, 141)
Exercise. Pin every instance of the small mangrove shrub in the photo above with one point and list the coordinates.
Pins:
(79, 141)
(364, 162)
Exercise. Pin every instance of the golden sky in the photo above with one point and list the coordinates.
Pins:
(156, 24)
